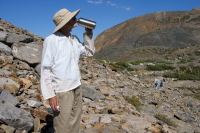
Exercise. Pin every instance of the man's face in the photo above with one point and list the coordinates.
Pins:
(71, 24)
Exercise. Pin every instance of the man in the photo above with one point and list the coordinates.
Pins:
(60, 75)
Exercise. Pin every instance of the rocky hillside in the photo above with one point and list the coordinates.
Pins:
(114, 101)
(174, 29)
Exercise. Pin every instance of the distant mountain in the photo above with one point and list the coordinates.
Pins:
(166, 30)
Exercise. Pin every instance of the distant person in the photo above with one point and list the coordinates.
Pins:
(157, 84)
(161, 84)
(60, 74)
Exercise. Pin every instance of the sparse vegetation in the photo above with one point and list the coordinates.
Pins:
(185, 73)
(166, 120)
(100, 61)
(183, 61)
(197, 53)
(164, 62)
(195, 95)
(160, 67)
(122, 65)
(185, 17)
(140, 61)
(134, 101)
(197, 19)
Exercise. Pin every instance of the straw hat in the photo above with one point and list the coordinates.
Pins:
(62, 17)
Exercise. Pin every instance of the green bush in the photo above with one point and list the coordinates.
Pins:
(197, 53)
(197, 19)
(160, 67)
(130, 69)
(134, 101)
(140, 61)
(164, 62)
(183, 61)
(100, 61)
(170, 75)
(122, 65)
(164, 119)
(185, 73)
(185, 17)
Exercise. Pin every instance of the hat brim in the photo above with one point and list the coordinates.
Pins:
(66, 20)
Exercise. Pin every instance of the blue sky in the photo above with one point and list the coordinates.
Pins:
(36, 15)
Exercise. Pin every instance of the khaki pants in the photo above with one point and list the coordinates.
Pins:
(69, 117)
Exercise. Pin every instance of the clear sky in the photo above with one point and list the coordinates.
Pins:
(36, 15)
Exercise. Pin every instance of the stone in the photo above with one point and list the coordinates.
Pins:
(105, 119)
(8, 98)
(92, 94)
(30, 53)
(103, 130)
(7, 129)
(10, 85)
(5, 49)
(36, 124)
(42, 114)
(14, 38)
(98, 125)
(15, 117)
(3, 36)
(34, 103)
(26, 83)
(115, 118)
(125, 127)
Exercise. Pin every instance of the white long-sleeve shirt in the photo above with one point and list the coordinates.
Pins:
(59, 67)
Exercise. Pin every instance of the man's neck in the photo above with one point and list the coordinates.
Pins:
(66, 33)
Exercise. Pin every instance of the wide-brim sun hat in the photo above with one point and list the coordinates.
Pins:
(62, 17)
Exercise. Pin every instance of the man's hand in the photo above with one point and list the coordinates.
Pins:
(88, 31)
(54, 103)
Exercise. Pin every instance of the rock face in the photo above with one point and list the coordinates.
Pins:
(105, 93)
(174, 29)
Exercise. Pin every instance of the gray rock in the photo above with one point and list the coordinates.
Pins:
(30, 53)
(34, 103)
(5, 73)
(15, 117)
(11, 85)
(8, 98)
(92, 94)
(15, 38)
(5, 49)
(3, 36)
(2, 28)
(37, 68)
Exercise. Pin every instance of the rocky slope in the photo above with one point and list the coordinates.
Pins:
(174, 29)
(105, 108)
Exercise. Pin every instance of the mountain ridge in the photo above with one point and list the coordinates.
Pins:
(173, 29)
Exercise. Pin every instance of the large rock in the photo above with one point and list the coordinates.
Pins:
(30, 52)
(15, 38)
(8, 98)
(3, 36)
(15, 117)
(9, 85)
(5, 49)
(92, 94)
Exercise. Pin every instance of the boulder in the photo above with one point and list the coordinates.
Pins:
(31, 53)
(15, 117)
(5, 49)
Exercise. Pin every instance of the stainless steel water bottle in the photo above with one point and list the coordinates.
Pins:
(86, 23)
